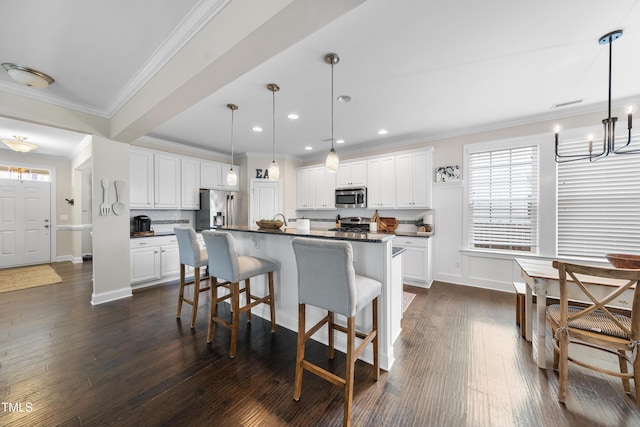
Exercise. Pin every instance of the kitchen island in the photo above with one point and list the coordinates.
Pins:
(373, 256)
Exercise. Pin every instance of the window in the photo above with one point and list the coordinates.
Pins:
(24, 173)
(598, 205)
(503, 199)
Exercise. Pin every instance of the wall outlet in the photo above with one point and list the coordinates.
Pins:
(64, 217)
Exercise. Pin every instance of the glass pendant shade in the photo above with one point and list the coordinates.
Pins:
(274, 170)
(19, 144)
(332, 161)
(232, 177)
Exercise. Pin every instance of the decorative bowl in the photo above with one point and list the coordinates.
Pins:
(269, 223)
(624, 260)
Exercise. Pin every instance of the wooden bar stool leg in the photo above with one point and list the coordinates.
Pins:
(213, 308)
(247, 296)
(235, 303)
(351, 361)
(196, 296)
(376, 356)
(297, 388)
(181, 294)
(331, 332)
(271, 302)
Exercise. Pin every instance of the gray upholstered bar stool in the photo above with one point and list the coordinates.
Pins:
(191, 255)
(327, 280)
(225, 264)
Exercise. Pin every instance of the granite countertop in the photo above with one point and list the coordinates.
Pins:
(315, 232)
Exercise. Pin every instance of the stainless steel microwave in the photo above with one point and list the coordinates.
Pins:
(351, 197)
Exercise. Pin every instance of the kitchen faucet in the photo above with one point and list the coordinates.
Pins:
(283, 218)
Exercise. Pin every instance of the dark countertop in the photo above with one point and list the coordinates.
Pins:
(315, 232)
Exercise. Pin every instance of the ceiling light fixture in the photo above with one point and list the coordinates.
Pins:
(232, 177)
(18, 144)
(339, 141)
(344, 98)
(293, 116)
(274, 169)
(609, 124)
(331, 165)
(256, 129)
(28, 76)
(383, 132)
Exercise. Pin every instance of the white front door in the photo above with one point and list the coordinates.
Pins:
(25, 225)
(265, 200)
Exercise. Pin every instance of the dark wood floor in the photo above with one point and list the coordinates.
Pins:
(460, 362)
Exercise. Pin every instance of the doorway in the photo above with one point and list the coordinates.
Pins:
(25, 222)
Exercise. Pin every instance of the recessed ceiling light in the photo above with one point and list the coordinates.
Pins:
(293, 116)
(383, 132)
(257, 129)
(344, 98)
(308, 148)
(339, 141)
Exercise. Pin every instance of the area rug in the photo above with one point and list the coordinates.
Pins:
(407, 297)
(12, 279)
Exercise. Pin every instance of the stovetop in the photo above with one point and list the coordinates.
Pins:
(353, 224)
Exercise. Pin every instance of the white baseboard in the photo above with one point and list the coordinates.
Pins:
(75, 260)
(103, 297)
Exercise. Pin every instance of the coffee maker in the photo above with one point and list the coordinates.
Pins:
(141, 223)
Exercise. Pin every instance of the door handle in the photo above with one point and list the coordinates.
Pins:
(46, 226)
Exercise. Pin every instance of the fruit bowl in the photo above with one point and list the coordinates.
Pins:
(624, 260)
(269, 223)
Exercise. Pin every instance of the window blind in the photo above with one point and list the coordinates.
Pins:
(598, 204)
(503, 199)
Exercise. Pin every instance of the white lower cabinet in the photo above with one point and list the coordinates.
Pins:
(416, 260)
(156, 260)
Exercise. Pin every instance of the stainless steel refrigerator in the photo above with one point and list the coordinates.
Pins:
(220, 208)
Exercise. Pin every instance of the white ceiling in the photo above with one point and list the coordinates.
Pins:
(420, 69)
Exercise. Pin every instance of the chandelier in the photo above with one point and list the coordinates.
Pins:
(609, 124)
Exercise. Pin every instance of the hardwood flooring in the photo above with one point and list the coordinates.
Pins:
(460, 362)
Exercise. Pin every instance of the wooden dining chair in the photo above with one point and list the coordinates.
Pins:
(595, 324)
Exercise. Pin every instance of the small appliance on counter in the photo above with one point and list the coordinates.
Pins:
(142, 226)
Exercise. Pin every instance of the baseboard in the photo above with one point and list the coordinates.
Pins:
(75, 260)
(103, 297)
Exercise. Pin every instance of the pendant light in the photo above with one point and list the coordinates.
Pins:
(331, 165)
(274, 168)
(609, 123)
(232, 177)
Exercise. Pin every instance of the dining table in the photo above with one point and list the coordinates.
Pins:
(543, 281)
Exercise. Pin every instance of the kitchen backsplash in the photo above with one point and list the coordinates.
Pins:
(326, 219)
(163, 221)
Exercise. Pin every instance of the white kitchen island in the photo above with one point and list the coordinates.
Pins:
(373, 257)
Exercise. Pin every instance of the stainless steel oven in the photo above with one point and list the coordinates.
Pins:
(351, 197)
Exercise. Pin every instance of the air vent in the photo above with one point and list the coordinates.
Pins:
(565, 104)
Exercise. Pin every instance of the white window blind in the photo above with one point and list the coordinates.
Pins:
(503, 199)
(598, 204)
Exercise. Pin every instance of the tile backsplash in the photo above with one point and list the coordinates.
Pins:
(163, 221)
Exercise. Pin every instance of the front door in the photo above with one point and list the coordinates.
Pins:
(25, 226)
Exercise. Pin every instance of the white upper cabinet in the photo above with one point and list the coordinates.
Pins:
(190, 183)
(316, 189)
(413, 182)
(325, 189)
(352, 174)
(166, 181)
(381, 178)
(213, 175)
(140, 178)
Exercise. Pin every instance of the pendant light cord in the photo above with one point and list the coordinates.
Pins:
(332, 105)
(273, 93)
(232, 110)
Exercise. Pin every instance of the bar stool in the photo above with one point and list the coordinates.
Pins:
(225, 264)
(327, 280)
(191, 255)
